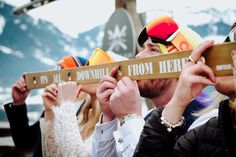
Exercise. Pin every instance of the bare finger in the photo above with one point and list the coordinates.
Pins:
(20, 87)
(108, 78)
(202, 80)
(197, 52)
(108, 93)
(121, 85)
(50, 96)
(127, 81)
(203, 69)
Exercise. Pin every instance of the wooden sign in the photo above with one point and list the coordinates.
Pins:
(170, 65)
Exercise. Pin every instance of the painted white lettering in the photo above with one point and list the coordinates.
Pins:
(44, 79)
(178, 65)
(135, 66)
(83, 75)
(140, 69)
(149, 69)
(173, 65)
(130, 70)
(97, 73)
(86, 75)
(57, 78)
(80, 75)
(223, 67)
(162, 67)
(93, 73)
(169, 64)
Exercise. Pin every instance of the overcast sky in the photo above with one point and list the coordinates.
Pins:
(74, 16)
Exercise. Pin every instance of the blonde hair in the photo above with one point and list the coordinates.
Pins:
(89, 115)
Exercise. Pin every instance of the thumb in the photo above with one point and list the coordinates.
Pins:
(113, 72)
(79, 87)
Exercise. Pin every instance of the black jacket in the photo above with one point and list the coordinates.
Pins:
(24, 136)
(215, 138)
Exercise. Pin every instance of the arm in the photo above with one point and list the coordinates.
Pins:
(67, 131)
(49, 138)
(24, 136)
(127, 136)
(164, 126)
(50, 144)
(116, 101)
(118, 142)
(155, 140)
(125, 103)
(103, 140)
(165, 144)
(61, 135)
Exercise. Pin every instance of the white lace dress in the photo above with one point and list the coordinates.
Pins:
(61, 136)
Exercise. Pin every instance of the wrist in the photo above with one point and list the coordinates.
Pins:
(128, 117)
(49, 115)
(170, 125)
(129, 112)
(18, 103)
(173, 112)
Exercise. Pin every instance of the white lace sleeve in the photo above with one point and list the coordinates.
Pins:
(50, 143)
(67, 131)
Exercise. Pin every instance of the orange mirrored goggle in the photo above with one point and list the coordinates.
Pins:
(99, 57)
(164, 30)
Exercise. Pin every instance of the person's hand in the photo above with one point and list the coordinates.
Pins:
(227, 84)
(50, 97)
(68, 92)
(19, 92)
(126, 98)
(193, 78)
(104, 90)
(90, 88)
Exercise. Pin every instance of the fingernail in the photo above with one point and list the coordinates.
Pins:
(233, 52)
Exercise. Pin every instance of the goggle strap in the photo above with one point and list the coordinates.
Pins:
(173, 36)
(77, 61)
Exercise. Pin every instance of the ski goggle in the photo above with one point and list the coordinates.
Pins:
(100, 57)
(164, 30)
